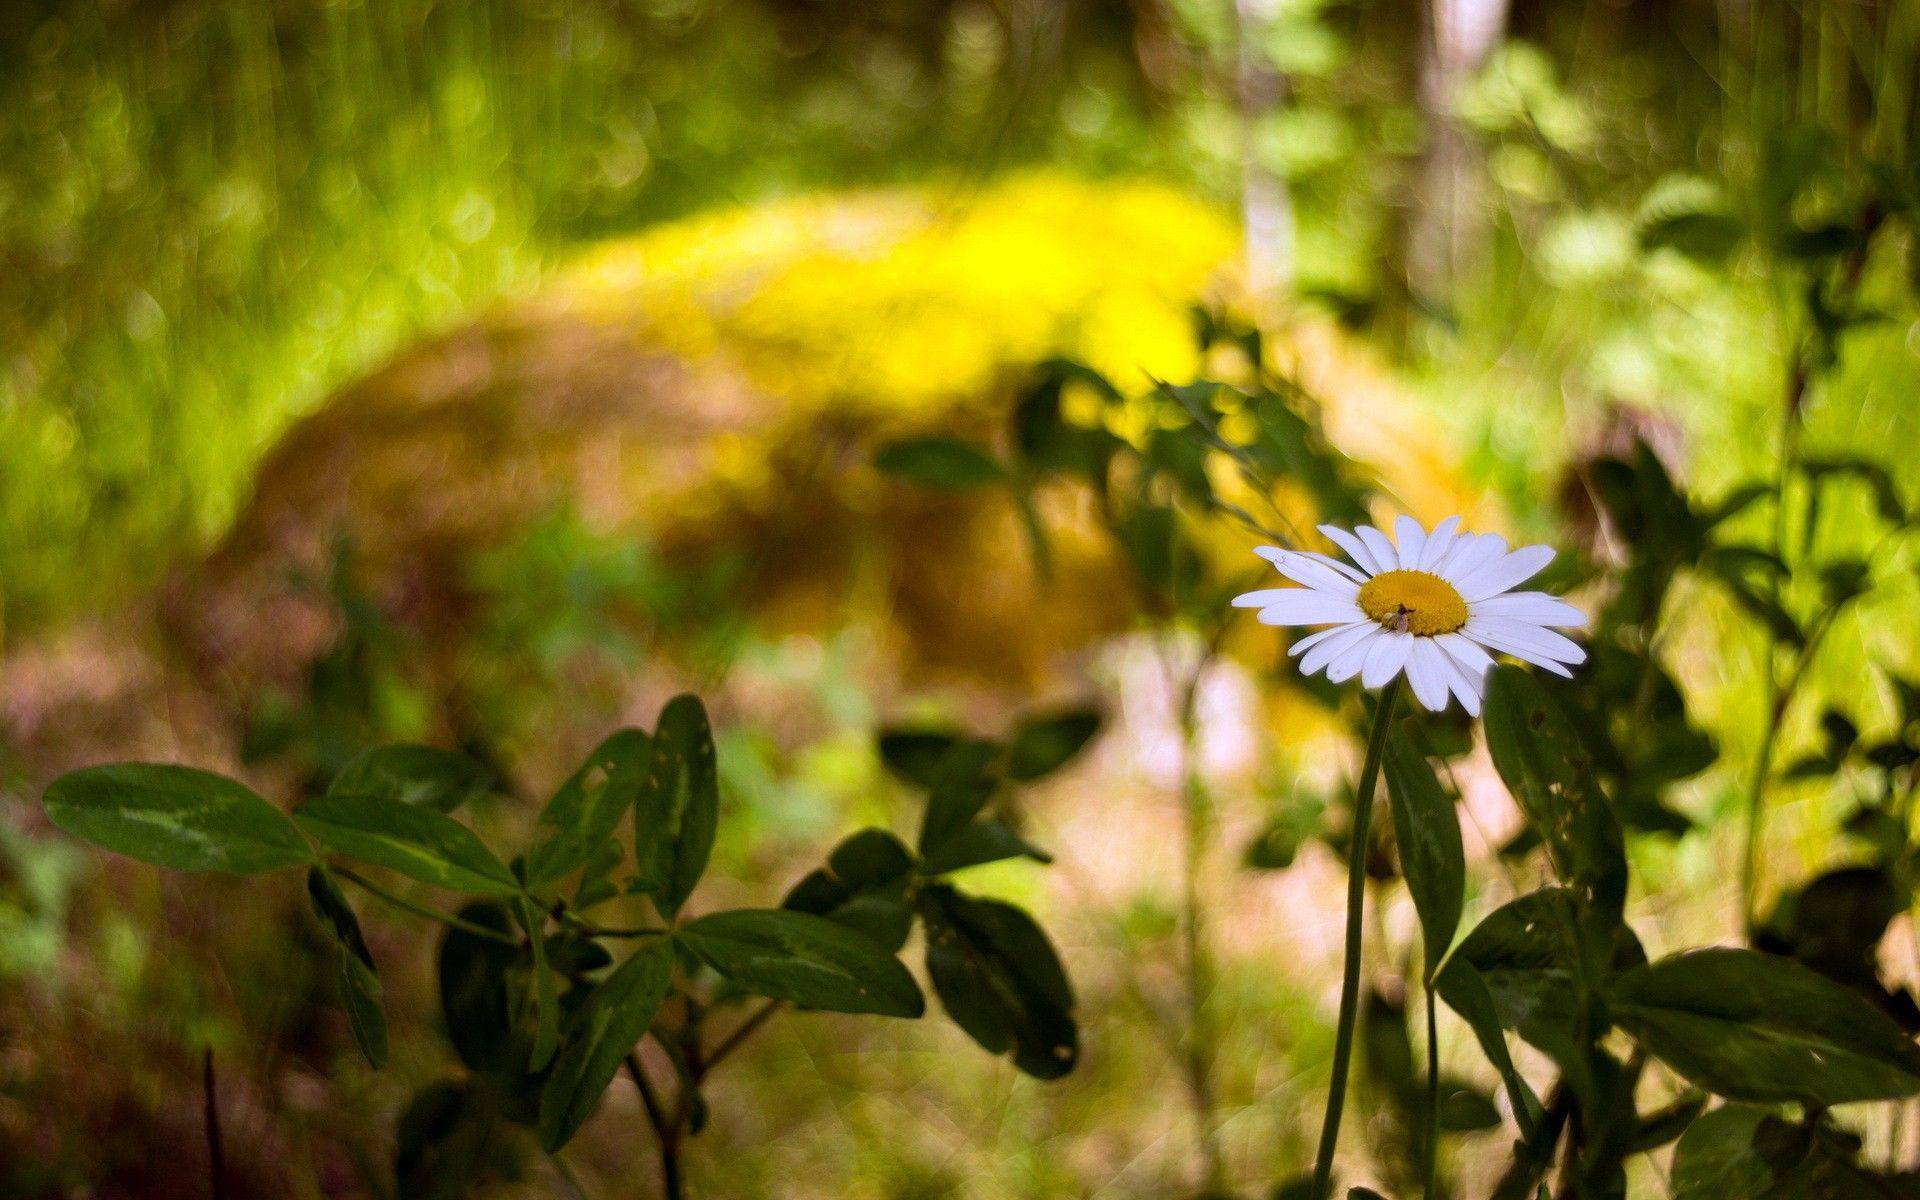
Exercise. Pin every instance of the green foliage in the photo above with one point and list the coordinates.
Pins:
(605, 1030)
(806, 960)
(175, 817)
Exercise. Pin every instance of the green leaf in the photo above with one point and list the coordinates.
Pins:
(914, 754)
(613, 1019)
(677, 810)
(1549, 769)
(175, 817)
(939, 462)
(440, 779)
(1465, 991)
(417, 842)
(476, 999)
(546, 996)
(353, 967)
(861, 887)
(961, 784)
(584, 813)
(807, 960)
(1753, 1027)
(1427, 830)
(1716, 1160)
(981, 842)
(1042, 744)
(1000, 981)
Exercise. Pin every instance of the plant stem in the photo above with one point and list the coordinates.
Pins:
(1433, 1088)
(210, 1116)
(1356, 905)
(668, 1132)
(424, 910)
(745, 1030)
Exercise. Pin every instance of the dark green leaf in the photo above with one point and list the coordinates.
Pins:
(583, 814)
(546, 995)
(861, 887)
(417, 842)
(1465, 1108)
(961, 784)
(1427, 830)
(1663, 1125)
(406, 774)
(807, 960)
(914, 754)
(609, 1024)
(1465, 991)
(1716, 1159)
(1000, 981)
(678, 808)
(981, 842)
(476, 995)
(1549, 770)
(1041, 745)
(1754, 1027)
(444, 1141)
(175, 817)
(939, 462)
(353, 966)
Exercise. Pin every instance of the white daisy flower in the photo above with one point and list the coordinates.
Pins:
(1433, 607)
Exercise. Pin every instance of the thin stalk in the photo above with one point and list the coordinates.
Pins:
(210, 1117)
(1433, 1088)
(1356, 906)
(424, 910)
(665, 1129)
(742, 1032)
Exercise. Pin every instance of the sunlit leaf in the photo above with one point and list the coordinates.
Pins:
(175, 817)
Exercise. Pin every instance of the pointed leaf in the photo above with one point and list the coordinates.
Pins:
(1753, 1027)
(583, 814)
(1042, 744)
(442, 780)
(1549, 769)
(1427, 830)
(417, 842)
(476, 996)
(678, 807)
(807, 960)
(175, 817)
(610, 1023)
(353, 967)
(1000, 981)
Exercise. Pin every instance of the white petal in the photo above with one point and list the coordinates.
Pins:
(1464, 683)
(1345, 638)
(1469, 554)
(1438, 543)
(1520, 633)
(1259, 599)
(1427, 673)
(1385, 657)
(1412, 538)
(1302, 645)
(1309, 606)
(1466, 653)
(1355, 548)
(1524, 651)
(1347, 663)
(1503, 573)
(1302, 568)
(1381, 549)
(1537, 608)
(1353, 573)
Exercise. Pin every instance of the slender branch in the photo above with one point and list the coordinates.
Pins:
(210, 1116)
(424, 910)
(1356, 905)
(668, 1132)
(742, 1032)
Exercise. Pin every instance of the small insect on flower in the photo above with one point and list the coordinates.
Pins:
(1431, 607)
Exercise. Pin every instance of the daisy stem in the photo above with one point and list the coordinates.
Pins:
(1356, 905)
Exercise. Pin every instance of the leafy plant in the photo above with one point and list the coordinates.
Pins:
(543, 1002)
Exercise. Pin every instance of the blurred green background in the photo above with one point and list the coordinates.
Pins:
(474, 372)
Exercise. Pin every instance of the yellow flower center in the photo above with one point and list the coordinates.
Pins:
(1413, 601)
